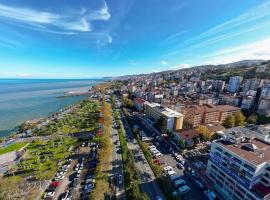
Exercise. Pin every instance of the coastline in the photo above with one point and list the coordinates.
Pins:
(26, 100)
(73, 96)
(8, 133)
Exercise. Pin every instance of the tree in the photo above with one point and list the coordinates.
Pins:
(252, 119)
(161, 124)
(229, 121)
(181, 144)
(239, 119)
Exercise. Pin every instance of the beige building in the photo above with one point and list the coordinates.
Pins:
(155, 111)
(207, 113)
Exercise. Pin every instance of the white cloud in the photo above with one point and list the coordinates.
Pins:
(102, 14)
(54, 22)
(109, 39)
(257, 50)
(164, 62)
(253, 20)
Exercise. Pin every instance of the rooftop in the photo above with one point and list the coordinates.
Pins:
(188, 134)
(254, 150)
(210, 108)
(165, 111)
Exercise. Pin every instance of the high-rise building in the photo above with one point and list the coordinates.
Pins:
(239, 168)
(218, 85)
(234, 83)
(264, 102)
(251, 84)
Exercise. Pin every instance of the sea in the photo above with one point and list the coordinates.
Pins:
(27, 99)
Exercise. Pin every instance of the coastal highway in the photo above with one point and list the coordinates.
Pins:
(117, 166)
(148, 180)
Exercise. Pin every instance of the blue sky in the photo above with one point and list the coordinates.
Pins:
(94, 38)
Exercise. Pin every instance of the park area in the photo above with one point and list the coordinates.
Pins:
(81, 118)
(12, 147)
(44, 156)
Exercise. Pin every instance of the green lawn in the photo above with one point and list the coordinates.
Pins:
(13, 147)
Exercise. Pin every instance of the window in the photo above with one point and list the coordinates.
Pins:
(249, 167)
(265, 181)
(219, 149)
(219, 183)
(214, 167)
(217, 154)
(237, 160)
(227, 154)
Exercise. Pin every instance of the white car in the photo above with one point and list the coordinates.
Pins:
(171, 172)
(184, 189)
(155, 151)
(168, 168)
(49, 194)
(152, 147)
(157, 155)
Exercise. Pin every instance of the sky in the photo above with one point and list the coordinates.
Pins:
(97, 38)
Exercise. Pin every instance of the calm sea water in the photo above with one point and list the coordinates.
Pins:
(22, 100)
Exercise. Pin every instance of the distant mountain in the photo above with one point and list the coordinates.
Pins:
(243, 63)
(203, 68)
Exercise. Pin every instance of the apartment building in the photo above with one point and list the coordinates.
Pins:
(239, 168)
(264, 102)
(155, 111)
(207, 113)
(139, 103)
(234, 83)
(251, 84)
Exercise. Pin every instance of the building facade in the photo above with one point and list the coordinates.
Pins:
(240, 168)
(206, 114)
(234, 83)
(174, 119)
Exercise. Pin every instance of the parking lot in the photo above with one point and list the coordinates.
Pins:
(185, 169)
(75, 178)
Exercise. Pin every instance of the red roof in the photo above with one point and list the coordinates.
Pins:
(188, 134)
(139, 100)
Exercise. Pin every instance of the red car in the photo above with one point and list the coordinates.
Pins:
(157, 161)
(55, 184)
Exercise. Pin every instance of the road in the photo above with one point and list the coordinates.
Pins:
(117, 165)
(196, 193)
(148, 180)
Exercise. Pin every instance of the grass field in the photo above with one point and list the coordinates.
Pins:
(13, 147)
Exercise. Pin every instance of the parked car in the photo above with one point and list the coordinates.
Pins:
(158, 198)
(210, 194)
(184, 189)
(49, 194)
(179, 182)
(180, 166)
(199, 184)
(120, 179)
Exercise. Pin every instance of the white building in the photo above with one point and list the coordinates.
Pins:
(155, 111)
(239, 168)
(234, 83)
